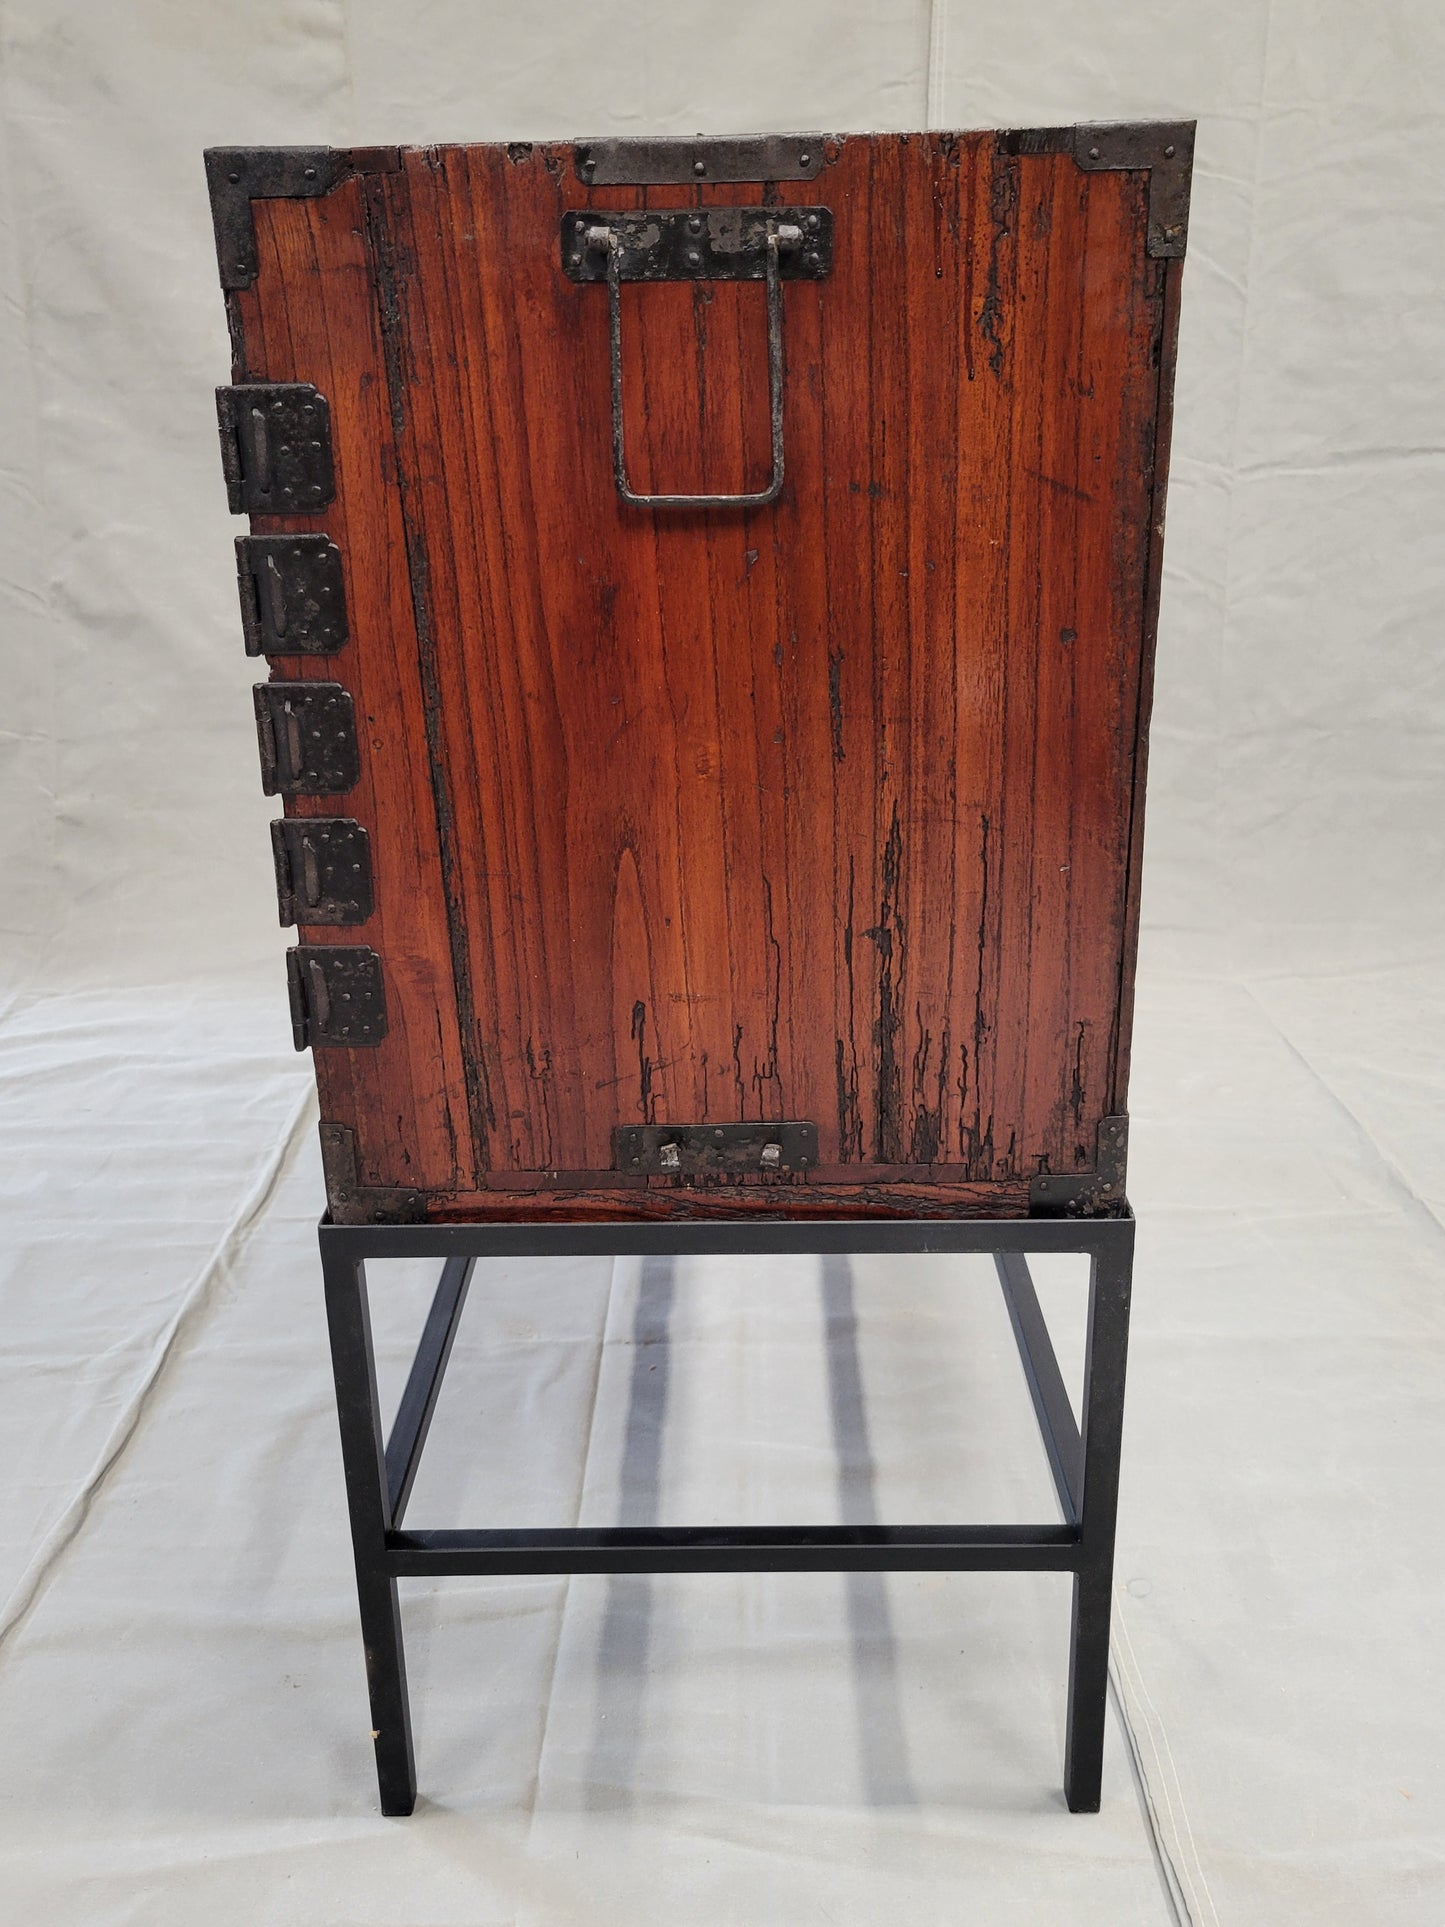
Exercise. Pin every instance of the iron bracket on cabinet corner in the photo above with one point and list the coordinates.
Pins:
(293, 595)
(703, 1150)
(338, 997)
(323, 869)
(236, 176)
(1087, 1194)
(672, 162)
(306, 733)
(275, 448)
(1164, 149)
(352, 1202)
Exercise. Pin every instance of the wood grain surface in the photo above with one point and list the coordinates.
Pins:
(827, 810)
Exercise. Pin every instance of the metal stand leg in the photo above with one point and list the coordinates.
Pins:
(363, 1455)
(1105, 1354)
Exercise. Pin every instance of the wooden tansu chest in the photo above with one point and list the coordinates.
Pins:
(708, 590)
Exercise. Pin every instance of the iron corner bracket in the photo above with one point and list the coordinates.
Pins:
(351, 1201)
(239, 175)
(1087, 1194)
(1163, 149)
(1166, 149)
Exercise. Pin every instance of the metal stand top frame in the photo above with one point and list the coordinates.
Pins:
(726, 1237)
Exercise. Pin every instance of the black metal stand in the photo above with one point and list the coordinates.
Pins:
(1084, 1462)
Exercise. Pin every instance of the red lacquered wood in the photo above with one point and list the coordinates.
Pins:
(827, 810)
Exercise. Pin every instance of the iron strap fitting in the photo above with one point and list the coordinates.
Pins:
(669, 161)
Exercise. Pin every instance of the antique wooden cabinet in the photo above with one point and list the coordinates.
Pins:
(770, 847)
(610, 825)
(709, 590)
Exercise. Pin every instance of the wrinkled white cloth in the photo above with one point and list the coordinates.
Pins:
(180, 1676)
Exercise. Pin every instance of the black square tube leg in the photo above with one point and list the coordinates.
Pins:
(1105, 1356)
(363, 1454)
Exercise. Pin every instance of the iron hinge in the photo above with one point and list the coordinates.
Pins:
(237, 176)
(661, 163)
(306, 732)
(337, 996)
(323, 869)
(352, 1202)
(293, 597)
(275, 448)
(1087, 1194)
(703, 1150)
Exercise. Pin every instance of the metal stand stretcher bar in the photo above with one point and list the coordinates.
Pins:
(1083, 1456)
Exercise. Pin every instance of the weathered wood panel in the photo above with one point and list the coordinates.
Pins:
(825, 810)
(313, 317)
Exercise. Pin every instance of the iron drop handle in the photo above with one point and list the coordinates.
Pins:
(780, 237)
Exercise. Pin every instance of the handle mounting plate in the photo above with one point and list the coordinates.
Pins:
(697, 244)
(704, 1150)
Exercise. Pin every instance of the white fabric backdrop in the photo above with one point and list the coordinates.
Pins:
(1281, 1671)
(1300, 705)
